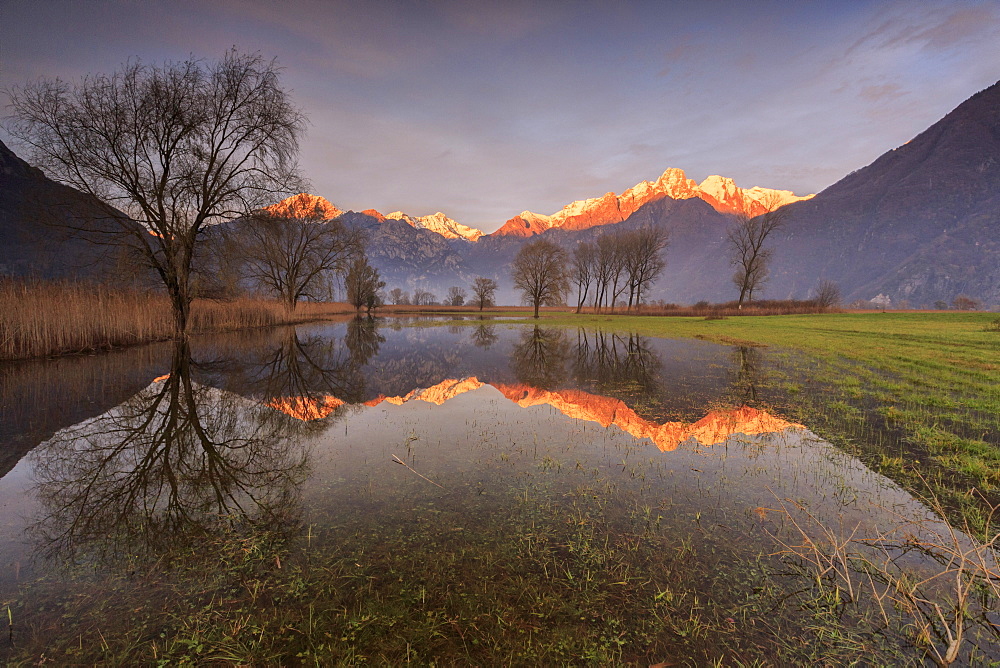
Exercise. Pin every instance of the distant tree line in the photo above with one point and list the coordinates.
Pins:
(483, 292)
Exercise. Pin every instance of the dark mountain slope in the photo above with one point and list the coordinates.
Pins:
(917, 224)
(48, 229)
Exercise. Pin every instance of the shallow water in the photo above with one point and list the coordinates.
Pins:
(362, 440)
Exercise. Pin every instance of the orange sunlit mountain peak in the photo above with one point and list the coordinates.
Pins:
(720, 192)
(306, 408)
(304, 205)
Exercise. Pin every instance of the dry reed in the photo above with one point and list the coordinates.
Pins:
(955, 589)
(40, 318)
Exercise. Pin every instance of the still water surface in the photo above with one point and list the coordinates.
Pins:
(604, 496)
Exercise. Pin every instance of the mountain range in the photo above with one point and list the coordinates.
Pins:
(721, 193)
(714, 428)
(422, 253)
(917, 226)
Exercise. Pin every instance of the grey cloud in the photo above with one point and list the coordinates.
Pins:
(882, 92)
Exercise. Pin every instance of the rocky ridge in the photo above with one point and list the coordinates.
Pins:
(304, 205)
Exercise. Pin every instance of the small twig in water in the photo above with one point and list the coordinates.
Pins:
(400, 461)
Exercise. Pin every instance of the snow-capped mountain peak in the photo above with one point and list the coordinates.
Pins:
(720, 192)
(440, 223)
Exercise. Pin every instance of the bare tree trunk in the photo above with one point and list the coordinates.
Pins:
(181, 305)
(582, 299)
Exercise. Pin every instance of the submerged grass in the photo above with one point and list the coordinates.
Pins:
(579, 574)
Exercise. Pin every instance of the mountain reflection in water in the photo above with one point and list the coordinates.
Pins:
(716, 427)
(545, 358)
(211, 444)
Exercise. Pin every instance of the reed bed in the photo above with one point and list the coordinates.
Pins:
(42, 318)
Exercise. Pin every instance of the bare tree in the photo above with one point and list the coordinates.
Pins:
(539, 272)
(643, 260)
(293, 256)
(456, 296)
(604, 266)
(397, 296)
(828, 294)
(617, 255)
(609, 267)
(363, 284)
(175, 147)
(965, 303)
(423, 297)
(584, 265)
(746, 239)
(483, 291)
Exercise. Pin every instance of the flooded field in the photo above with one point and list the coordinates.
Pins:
(390, 492)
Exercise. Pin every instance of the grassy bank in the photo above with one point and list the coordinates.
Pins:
(55, 318)
(912, 393)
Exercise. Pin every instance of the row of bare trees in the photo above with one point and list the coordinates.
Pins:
(421, 297)
(619, 267)
(618, 264)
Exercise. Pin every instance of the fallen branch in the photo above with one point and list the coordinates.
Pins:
(400, 461)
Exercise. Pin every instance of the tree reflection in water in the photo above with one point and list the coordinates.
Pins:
(617, 363)
(748, 374)
(363, 339)
(177, 463)
(539, 358)
(484, 335)
(614, 365)
(312, 370)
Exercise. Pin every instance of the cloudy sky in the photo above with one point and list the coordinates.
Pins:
(482, 110)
